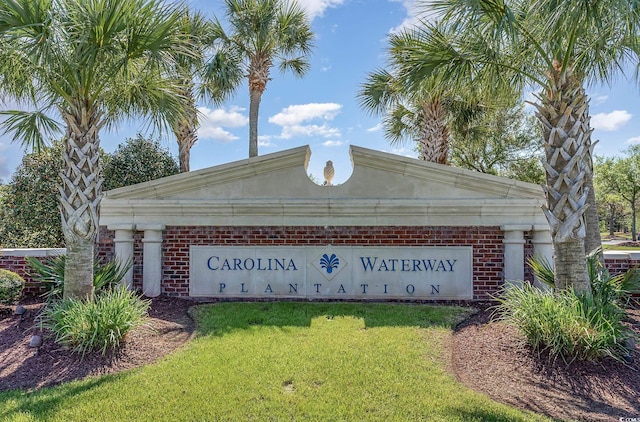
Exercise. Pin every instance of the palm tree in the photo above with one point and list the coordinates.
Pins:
(423, 112)
(420, 118)
(90, 64)
(560, 48)
(264, 32)
(185, 129)
(200, 79)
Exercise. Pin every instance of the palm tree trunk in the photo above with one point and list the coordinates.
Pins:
(81, 192)
(434, 142)
(563, 114)
(185, 142)
(593, 240)
(570, 269)
(186, 130)
(259, 69)
(254, 106)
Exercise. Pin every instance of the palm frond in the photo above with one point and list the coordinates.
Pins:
(298, 66)
(542, 270)
(221, 76)
(33, 129)
(378, 92)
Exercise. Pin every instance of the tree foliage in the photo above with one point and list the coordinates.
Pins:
(620, 178)
(534, 43)
(137, 160)
(81, 66)
(29, 203)
(503, 142)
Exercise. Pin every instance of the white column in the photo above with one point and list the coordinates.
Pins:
(151, 259)
(514, 253)
(123, 242)
(542, 247)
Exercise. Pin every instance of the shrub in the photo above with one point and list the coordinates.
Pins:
(50, 272)
(568, 325)
(98, 324)
(565, 324)
(11, 286)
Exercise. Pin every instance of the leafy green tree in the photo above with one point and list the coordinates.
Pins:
(558, 47)
(29, 203)
(263, 33)
(612, 209)
(29, 208)
(91, 64)
(504, 142)
(620, 176)
(136, 161)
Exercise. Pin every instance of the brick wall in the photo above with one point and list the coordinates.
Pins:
(619, 262)
(16, 261)
(488, 250)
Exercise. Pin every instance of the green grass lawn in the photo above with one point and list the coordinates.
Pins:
(284, 361)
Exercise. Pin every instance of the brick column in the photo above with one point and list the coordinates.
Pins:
(151, 259)
(123, 243)
(514, 253)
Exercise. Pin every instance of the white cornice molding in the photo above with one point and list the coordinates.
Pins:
(373, 212)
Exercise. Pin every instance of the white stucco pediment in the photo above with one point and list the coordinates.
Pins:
(274, 189)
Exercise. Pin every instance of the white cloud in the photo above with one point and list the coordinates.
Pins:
(632, 141)
(265, 141)
(221, 117)
(296, 114)
(610, 121)
(291, 120)
(376, 128)
(404, 151)
(599, 99)
(316, 8)
(416, 11)
(324, 131)
(332, 143)
(212, 123)
(216, 133)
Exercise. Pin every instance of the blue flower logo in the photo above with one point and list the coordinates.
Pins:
(329, 262)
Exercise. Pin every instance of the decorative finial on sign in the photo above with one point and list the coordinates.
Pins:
(328, 173)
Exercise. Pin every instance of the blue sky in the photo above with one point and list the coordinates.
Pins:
(321, 109)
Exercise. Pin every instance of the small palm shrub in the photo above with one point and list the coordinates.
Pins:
(50, 272)
(11, 286)
(605, 287)
(569, 325)
(95, 325)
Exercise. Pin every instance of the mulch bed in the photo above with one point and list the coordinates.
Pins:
(487, 356)
(22, 367)
(492, 357)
